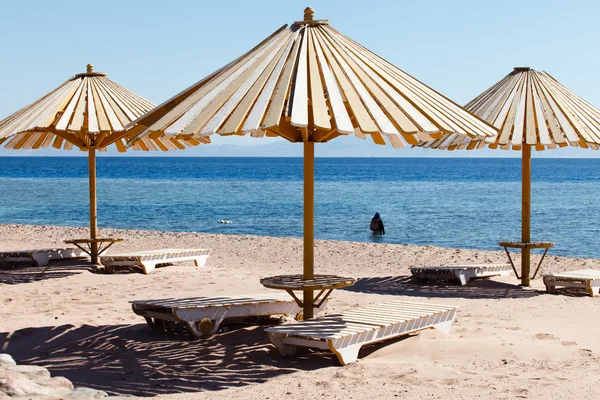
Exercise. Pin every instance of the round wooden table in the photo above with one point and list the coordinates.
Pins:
(325, 284)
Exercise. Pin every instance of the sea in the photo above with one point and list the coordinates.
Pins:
(450, 202)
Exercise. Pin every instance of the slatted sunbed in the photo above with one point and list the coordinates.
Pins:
(203, 315)
(463, 273)
(39, 257)
(344, 334)
(587, 279)
(148, 260)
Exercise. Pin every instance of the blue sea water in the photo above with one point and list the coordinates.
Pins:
(452, 202)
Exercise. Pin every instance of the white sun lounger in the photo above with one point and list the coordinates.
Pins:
(39, 257)
(344, 334)
(463, 273)
(587, 279)
(203, 315)
(148, 260)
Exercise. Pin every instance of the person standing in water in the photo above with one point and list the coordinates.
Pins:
(377, 225)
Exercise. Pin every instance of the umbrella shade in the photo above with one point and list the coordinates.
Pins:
(532, 110)
(89, 111)
(308, 83)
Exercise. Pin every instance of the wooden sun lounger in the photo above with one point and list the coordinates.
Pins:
(586, 278)
(203, 315)
(39, 257)
(344, 334)
(148, 260)
(463, 273)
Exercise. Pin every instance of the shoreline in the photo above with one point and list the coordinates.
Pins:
(83, 231)
(507, 341)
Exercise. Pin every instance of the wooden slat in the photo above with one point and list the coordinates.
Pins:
(275, 110)
(299, 98)
(338, 109)
(103, 124)
(237, 106)
(255, 117)
(530, 125)
(309, 82)
(319, 107)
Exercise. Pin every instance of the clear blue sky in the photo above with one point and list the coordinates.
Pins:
(158, 48)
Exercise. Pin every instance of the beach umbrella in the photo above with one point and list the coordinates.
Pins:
(532, 110)
(88, 111)
(308, 83)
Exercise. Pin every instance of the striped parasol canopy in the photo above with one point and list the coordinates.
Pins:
(532, 110)
(87, 111)
(530, 107)
(309, 83)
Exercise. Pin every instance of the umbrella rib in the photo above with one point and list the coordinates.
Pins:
(340, 115)
(574, 115)
(234, 122)
(427, 96)
(236, 101)
(92, 118)
(298, 103)
(103, 123)
(318, 103)
(356, 106)
(378, 103)
(65, 118)
(377, 118)
(252, 123)
(276, 106)
(433, 116)
(498, 114)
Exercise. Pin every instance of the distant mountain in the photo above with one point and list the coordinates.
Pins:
(339, 147)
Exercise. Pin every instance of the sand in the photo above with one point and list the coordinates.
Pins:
(507, 342)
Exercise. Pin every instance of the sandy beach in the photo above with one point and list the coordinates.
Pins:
(507, 342)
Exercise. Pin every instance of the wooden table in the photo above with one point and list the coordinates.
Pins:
(102, 243)
(531, 245)
(325, 284)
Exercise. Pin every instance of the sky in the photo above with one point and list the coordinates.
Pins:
(158, 48)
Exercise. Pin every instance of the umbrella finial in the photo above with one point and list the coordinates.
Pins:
(309, 14)
(522, 69)
(89, 72)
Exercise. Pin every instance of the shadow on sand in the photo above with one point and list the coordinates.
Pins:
(28, 273)
(134, 360)
(475, 289)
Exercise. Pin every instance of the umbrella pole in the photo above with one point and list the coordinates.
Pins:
(309, 224)
(526, 214)
(93, 218)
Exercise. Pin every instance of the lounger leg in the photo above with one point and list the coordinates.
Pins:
(346, 355)
(160, 324)
(148, 267)
(150, 322)
(595, 291)
(41, 258)
(284, 349)
(200, 261)
(444, 327)
(460, 275)
(217, 324)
